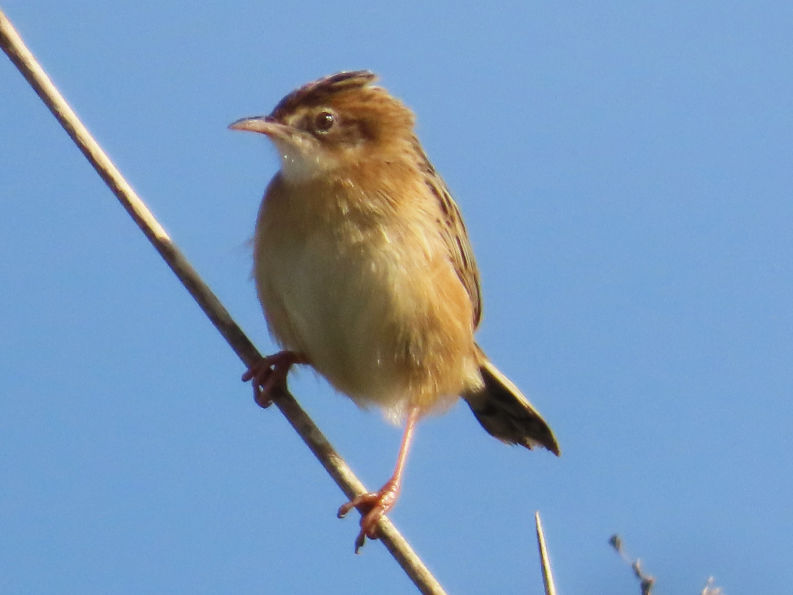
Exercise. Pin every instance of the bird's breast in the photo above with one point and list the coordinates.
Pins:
(369, 297)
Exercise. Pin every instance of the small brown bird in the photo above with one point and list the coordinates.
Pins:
(365, 272)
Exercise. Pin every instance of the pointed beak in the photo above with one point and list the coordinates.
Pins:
(263, 125)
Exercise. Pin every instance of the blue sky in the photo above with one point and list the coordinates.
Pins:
(624, 170)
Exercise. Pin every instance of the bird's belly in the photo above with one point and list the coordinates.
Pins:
(368, 316)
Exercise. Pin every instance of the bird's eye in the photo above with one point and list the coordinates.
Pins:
(324, 121)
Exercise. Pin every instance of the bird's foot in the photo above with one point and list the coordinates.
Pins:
(269, 373)
(372, 507)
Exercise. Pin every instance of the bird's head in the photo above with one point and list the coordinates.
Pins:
(336, 122)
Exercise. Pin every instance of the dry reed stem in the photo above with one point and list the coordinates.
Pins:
(545, 562)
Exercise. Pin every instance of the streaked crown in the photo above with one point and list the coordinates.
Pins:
(346, 109)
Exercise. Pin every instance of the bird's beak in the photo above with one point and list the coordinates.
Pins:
(263, 125)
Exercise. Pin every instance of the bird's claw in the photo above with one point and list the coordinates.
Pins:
(269, 374)
(372, 507)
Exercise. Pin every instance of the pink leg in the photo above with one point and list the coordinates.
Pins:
(270, 373)
(374, 505)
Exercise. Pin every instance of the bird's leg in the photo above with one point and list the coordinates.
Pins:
(374, 505)
(270, 373)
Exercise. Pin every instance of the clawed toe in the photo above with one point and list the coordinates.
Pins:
(262, 376)
(372, 507)
(269, 373)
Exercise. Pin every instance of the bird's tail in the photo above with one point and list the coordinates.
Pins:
(505, 413)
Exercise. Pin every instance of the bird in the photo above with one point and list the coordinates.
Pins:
(365, 272)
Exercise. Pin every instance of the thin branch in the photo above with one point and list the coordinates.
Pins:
(24, 60)
(646, 581)
(545, 562)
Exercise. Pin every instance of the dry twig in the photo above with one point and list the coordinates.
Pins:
(545, 562)
(646, 581)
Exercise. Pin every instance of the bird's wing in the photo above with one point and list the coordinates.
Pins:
(455, 236)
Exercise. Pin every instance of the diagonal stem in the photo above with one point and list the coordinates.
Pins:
(545, 562)
(27, 64)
